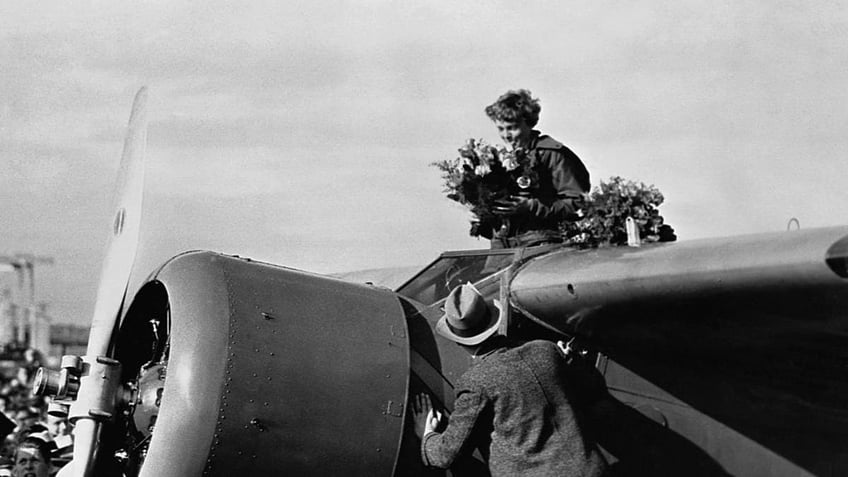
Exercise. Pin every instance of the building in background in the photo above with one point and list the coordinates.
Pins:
(8, 312)
(67, 339)
(26, 323)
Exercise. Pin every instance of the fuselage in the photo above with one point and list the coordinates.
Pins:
(271, 370)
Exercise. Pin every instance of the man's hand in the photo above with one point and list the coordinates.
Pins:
(513, 205)
(425, 417)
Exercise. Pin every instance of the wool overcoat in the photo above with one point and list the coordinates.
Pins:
(521, 407)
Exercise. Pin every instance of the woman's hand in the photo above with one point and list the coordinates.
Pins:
(513, 205)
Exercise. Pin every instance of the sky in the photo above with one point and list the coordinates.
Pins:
(301, 133)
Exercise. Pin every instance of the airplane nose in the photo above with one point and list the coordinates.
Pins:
(266, 367)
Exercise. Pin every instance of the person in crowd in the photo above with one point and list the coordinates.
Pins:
(514, 404)
(26, 418)
(58, 426)
(6, 466)
(32, 458)
(21, 411)
(59, 430)
(554, 189)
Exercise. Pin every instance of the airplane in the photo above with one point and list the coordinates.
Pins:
(722, 356)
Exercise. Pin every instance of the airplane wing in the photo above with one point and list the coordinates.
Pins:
(783, 267)
(737, 344)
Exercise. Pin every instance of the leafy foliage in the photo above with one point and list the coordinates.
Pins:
(484, 174)
(605, 214)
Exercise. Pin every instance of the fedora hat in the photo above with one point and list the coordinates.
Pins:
(467, 319)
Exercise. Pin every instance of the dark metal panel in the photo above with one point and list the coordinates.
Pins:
(775, 381)
(685, 440)
(317, 373)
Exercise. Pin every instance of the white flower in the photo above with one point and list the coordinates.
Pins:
(510, 163)
(483, 169)
(484, 153)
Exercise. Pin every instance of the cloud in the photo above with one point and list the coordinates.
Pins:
(213, 172)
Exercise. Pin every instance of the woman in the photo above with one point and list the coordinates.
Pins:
(553, 188)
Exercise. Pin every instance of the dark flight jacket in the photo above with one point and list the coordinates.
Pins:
(561, 183)
(518, 406)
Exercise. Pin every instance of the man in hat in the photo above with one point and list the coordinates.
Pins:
(514, 403)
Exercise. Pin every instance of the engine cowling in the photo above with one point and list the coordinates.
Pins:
(238, 367)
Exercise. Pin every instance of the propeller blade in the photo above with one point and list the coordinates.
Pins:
(112, 290)
(123, 238)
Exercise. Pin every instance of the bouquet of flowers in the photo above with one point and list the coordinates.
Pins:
(484, 174)
(607, 210)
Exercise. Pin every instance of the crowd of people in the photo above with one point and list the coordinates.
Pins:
(32, 439)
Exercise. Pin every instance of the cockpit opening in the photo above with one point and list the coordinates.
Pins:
(455, 268)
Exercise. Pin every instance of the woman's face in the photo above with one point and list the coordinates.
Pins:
(30, 463)
(514, 133)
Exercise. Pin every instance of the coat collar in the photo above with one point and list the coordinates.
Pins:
(492, 346)
(542, 141)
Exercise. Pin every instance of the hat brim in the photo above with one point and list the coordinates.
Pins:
(443, 329)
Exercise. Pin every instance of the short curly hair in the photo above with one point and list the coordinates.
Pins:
(515, 105)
